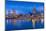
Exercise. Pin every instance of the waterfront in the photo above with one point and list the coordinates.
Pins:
(23, 24)
(24, 15)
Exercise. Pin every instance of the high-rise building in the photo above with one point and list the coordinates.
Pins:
(13, 12)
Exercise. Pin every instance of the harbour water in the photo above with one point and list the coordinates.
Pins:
(22, 24)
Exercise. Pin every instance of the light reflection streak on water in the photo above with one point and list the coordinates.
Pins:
(17, 21)
(20, 23)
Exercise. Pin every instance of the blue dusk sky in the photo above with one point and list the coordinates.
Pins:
(23, 7)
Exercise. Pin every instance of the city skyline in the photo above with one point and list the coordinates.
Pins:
(24, 15)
